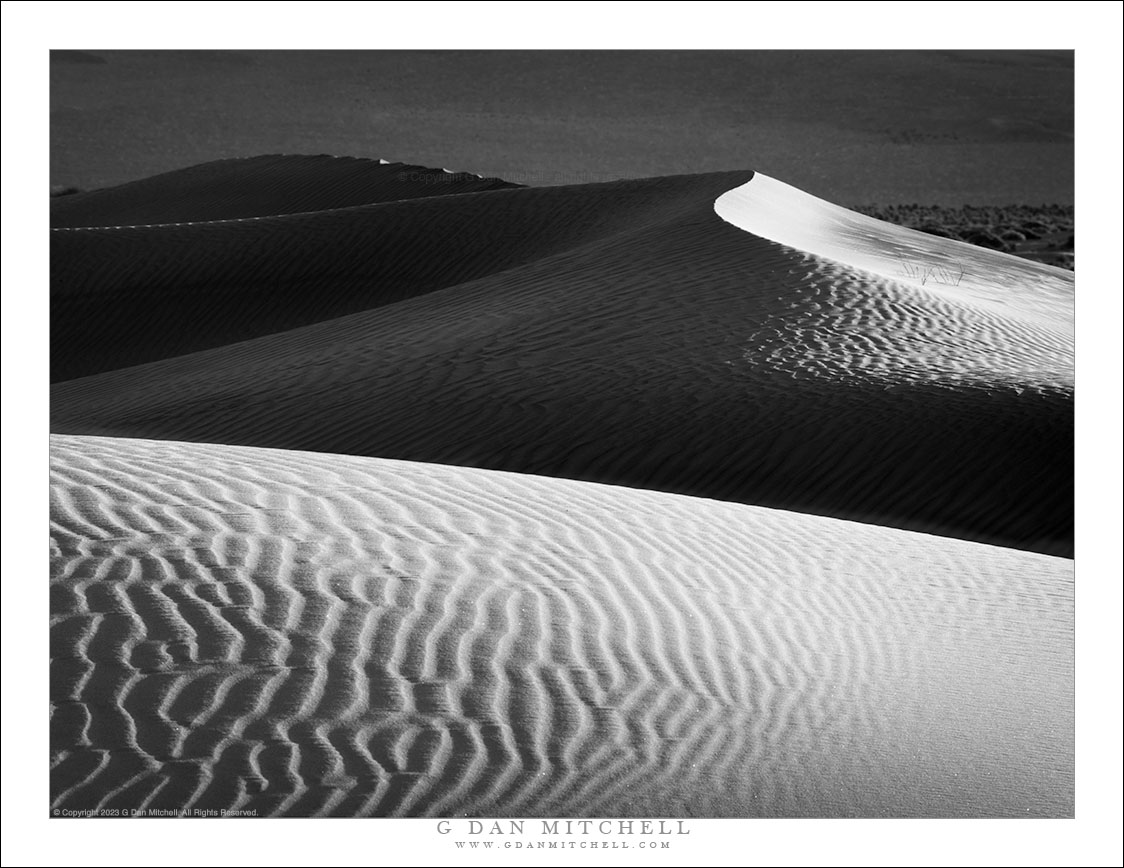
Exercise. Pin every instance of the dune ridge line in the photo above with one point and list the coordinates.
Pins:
(789, 216)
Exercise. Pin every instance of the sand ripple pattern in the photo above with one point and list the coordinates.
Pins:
(843, 322)
(309, 634)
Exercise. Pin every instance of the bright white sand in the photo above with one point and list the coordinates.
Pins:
(307, 633)
(960, 271)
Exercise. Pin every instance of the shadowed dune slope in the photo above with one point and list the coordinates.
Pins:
(260, 187)
(621, 333)
(122, 296)
(309, 634)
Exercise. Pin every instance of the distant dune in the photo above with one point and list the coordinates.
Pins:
(802, 357)
(261, 187)
(310, 634)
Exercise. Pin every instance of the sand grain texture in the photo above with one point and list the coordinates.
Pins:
(309, 634)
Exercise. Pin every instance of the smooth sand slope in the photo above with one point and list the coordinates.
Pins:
(136, 293)
(312, 634)
(621, 332)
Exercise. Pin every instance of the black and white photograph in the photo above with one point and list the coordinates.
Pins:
(560, 447)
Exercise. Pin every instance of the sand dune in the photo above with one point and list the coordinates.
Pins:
(124, 295)
(621, 332)
(313, 634)
(260, 187)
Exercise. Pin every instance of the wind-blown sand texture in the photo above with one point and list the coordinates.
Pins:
(314, 634)
(329, 534)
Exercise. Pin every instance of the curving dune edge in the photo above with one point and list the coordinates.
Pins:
(782, 213)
